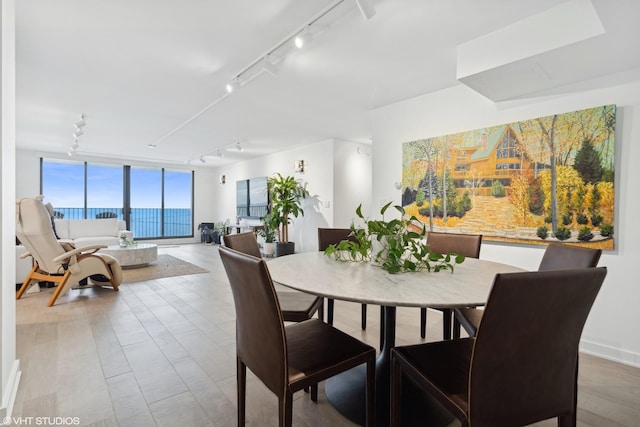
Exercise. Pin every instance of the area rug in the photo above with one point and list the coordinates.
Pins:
(164, 266)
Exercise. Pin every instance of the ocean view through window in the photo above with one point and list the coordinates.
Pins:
(155, 203)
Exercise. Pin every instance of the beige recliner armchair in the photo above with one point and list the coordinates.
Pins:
(52, 262)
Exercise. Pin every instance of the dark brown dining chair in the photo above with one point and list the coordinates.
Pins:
(296, 306)
(522, 366)
(445, 243)
(333, 236)
(556, 256)
(286, 359)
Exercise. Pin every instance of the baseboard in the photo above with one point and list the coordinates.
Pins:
(610, 353)
(11, 391)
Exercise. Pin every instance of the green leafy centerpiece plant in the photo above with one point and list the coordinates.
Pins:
(397, 245)
(286, 195)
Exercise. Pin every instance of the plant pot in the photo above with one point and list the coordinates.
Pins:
(217, 238)
(285, 248)
(269, 248)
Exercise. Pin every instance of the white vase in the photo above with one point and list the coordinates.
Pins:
(269, 248)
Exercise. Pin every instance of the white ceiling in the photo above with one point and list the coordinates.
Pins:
(153, 71)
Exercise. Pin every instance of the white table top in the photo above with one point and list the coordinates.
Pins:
(315, 273)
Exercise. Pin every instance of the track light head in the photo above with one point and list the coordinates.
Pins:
(303, 38)
(233, 85)
(220, 154)
(77, 134)
(239, 147)
(202, 159)
(75, 146)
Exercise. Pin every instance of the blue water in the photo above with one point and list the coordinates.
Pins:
(145, 222)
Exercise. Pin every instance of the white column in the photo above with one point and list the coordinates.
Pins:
(10, 366)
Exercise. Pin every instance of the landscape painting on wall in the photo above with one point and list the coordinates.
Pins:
(533, 181)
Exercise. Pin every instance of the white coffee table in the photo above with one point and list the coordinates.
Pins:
(133, 256)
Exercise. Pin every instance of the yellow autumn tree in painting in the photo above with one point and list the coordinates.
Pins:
(519, 198)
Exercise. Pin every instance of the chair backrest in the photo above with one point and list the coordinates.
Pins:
(34, 229)
(260, 335)
(560, 255)
(462, 244)
(524, 362)
(332, 236)
(243, 242)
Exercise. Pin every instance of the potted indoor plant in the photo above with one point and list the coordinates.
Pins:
(397, 245)
(286, 194)
(268, 233)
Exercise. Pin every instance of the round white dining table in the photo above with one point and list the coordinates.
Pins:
(363, 282)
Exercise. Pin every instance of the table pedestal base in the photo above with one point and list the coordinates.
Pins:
(346, 391)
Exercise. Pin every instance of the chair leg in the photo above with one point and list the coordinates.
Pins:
(570, 420)
(241, 373)
(321, 311)
(58, 290)
(381, 327)
(396, 391)
(27, 282)
(330, 303)
(423, 322)
(371, 392)
(314, 392)
(363, 319)
(286, 409)
(446, 323)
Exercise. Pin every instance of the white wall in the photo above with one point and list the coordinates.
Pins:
(612, 330)
(318, 175)
(352, 181)
(9, 365)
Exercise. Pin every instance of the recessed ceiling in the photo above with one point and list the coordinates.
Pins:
(149, 72)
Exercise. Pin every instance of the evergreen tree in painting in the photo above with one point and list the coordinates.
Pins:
(587, 163)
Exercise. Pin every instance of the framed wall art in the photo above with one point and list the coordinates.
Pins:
(533, 181)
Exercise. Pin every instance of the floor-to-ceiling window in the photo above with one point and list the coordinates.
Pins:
(104, 191)
(146, 201)
(63, 187)
(177, 202)
(155, 202)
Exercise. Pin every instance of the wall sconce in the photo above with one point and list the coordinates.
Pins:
(298, 166)
(223, 179)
